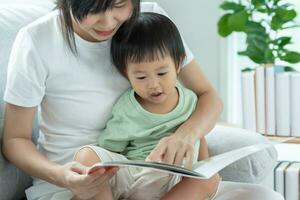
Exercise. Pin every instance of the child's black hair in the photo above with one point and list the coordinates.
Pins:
(151, 36)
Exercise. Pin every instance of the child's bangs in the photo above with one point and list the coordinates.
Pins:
(138, 54)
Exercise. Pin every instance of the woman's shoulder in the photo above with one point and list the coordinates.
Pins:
(43, 27)
(151, 7)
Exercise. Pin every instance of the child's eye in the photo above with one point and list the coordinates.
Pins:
(162, 74)
(141, 77)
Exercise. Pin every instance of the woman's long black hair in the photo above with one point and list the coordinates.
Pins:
(80, 9)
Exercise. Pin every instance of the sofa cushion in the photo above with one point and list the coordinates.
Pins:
(251, 169)
(13, 16)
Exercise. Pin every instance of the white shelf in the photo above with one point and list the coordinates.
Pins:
(288, 152)
(291, 140)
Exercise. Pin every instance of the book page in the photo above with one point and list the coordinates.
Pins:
(201, 170)
(213, 165)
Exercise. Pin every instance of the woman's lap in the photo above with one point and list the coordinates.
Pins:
(227, 191)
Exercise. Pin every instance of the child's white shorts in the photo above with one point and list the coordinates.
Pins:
(136, 183)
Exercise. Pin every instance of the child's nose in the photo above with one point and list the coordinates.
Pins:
(153, 83)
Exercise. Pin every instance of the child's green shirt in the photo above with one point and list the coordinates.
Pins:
(134, 132)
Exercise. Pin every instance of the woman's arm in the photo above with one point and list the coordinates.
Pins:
(179, 146)
(18, 147)
(209, 106)
(20, 150)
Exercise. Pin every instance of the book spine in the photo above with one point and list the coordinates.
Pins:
(260, 99)
(279, 177)
(282, 104)
(295, 105)
(270, 101)
(248, 101)
(292, 182)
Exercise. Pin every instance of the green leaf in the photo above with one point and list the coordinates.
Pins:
(289, 69)
(223, 28)
(257, 38)
(243, 53)
(255, 28)
(232, 6)
(254, 53)
(258, 4)
(269, 56)
(275, 2)
(256, 34)
(282, 16)
(276, 23)
(247, 69)
(285, 14)
(282, 41)
(237, 21)
(291, 57)
(262, 10)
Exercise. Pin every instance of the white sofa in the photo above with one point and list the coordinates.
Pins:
(16, 13)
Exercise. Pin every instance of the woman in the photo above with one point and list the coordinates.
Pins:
(61, 63)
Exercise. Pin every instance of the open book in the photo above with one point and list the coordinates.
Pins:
(203, 169)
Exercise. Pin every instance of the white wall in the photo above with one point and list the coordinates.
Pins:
(45, 3)
(197, 21)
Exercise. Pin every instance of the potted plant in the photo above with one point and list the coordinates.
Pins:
(263, 22)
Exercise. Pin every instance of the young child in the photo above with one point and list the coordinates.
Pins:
(152, 109)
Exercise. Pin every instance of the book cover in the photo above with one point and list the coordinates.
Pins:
(201, 170)
(292, 181)
(260, 99)
(279, 174)
(270, 101)
(295, 105)
(282, 103)
(248, 100)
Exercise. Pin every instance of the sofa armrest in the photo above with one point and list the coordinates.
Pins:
(253, 168)
(13, 182)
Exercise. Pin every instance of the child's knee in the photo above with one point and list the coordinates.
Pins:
(86, 156)
(214, 185)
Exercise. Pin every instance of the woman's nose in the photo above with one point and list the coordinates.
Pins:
(106, 19)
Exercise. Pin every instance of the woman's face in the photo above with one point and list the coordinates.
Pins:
(102, 26)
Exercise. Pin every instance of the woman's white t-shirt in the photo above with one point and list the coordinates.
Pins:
(75, 93)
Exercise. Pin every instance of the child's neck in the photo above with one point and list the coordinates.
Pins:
(165, 107)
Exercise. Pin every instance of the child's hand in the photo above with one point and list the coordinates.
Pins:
(174, 149)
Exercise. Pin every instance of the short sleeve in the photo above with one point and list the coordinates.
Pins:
(154, 7)
(112, 137)
(26, 73)
(115, 137)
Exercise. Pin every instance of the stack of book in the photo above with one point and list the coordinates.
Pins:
(286, 179)
(269, 100)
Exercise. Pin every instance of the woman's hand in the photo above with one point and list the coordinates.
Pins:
(175, 148)
(74, 177)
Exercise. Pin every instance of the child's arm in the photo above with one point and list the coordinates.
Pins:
(203, 150)
(180, 145)
(194, 189)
